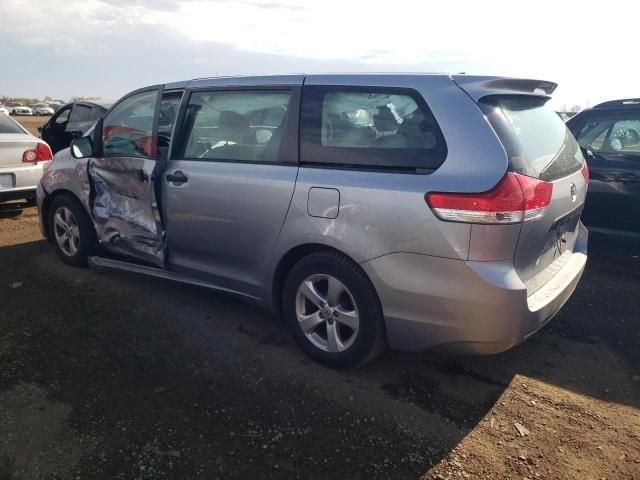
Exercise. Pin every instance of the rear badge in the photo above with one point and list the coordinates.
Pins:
(573, 192)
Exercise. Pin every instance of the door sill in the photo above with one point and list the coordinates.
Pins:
(102, 263)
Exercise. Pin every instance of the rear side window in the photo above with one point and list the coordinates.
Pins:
(371, 127)
(238, 126)
(79, 119)
(97, 113)
(80, 113)
(8, 126)
(537, 141)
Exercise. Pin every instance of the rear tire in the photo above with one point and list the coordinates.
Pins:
(334, 310)
(71, 230)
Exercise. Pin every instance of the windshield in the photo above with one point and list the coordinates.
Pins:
(8, 126)
(538, 142)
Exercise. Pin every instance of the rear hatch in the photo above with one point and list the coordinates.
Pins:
(540, 146)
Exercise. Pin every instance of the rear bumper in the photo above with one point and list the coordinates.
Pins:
(466, 307)
(18, 194)
(23, 183)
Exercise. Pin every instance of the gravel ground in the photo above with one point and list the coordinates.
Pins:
(118, 376)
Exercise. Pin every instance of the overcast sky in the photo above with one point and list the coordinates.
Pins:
(106, 48)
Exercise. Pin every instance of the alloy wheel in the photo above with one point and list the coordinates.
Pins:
(66, 231)
(327, 313)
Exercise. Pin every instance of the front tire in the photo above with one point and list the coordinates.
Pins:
(71, 230)
(334, 310)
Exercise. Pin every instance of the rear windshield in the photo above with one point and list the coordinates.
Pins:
(8, 126)
(537, 141)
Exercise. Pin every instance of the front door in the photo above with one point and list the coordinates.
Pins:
(228, 186)
(122, 191)
(54, 132)
(612, 144)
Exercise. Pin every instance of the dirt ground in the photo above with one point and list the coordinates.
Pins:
(117, 376)
(32, 123)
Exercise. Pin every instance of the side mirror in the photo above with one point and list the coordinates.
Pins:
(82, 147)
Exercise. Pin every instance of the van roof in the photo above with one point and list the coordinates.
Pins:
(477, 86)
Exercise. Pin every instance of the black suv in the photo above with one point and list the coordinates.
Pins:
(609, 135)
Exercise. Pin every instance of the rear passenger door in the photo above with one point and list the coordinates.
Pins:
(54, 132)
(229, 183)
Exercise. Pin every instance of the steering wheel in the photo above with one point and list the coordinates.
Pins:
(164, 140)
(590, 152)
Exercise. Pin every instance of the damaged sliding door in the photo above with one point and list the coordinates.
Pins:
(122, 179)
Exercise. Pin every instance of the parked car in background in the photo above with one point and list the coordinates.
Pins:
(4, 110)
(55, 106)
(22, 160)
(352, 204)
(41, 109)
(16, 108)
(609, 135)
(69, 122)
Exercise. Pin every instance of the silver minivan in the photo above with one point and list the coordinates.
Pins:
(414, 211)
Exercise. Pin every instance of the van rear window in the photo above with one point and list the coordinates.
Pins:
(537, 141)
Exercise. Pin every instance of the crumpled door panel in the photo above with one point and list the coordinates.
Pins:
(124, 208)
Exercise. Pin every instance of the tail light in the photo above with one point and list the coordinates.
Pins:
(516, 198)
(585, 173)
(42, 153)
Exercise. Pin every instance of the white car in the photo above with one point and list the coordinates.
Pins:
(4, 110)
(42, 109)
(22, 161)
(20, 110)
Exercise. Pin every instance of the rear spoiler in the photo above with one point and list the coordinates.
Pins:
(478, 87)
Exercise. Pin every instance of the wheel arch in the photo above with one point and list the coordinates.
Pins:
(287, 262)
(46, 205)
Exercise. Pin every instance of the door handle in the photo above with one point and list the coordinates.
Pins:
(176, 178)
